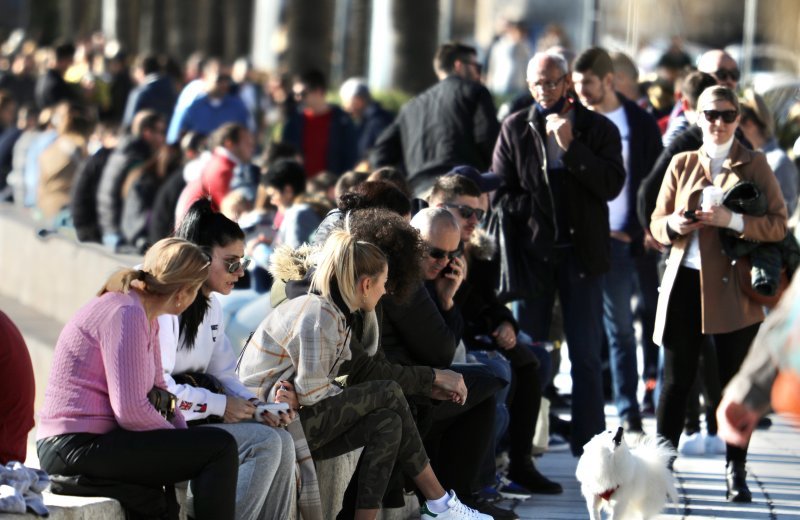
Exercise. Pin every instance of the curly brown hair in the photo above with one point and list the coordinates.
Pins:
(400, 242)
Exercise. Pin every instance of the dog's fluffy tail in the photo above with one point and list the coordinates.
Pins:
(656, 452)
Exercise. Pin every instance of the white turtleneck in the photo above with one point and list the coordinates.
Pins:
(717, 153)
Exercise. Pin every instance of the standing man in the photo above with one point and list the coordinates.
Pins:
(454, 122)
(561, 164)
(51, 87)
(593, 77)
(369, 116)
(322, 131)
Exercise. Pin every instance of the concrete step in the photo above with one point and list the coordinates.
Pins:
(75, 508)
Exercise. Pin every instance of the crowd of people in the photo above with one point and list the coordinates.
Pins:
(397, 283)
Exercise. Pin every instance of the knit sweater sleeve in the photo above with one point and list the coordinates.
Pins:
(130, 370)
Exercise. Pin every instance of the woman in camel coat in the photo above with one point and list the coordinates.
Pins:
(700, 293)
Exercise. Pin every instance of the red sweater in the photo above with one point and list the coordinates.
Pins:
(17, 391)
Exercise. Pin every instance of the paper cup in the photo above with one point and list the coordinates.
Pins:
(712, 196)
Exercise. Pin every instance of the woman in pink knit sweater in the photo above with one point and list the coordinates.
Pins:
(98, 428)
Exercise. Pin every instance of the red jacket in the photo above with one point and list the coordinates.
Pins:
(214, 182)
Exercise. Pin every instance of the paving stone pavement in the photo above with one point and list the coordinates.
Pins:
(773, 475)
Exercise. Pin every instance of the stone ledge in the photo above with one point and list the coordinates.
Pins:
(68, 272)
(75, 508)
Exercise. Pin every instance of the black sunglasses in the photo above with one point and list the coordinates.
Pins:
(725, 74)
(439, 254)
(467, 211)
(728, 116)
(234, 266)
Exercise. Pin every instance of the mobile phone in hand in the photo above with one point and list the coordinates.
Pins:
(691, 215)
(273, 408)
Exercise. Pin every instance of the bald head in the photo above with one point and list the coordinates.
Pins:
(722, 66)
(433, 221)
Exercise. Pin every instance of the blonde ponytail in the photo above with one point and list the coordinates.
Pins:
(345, 260)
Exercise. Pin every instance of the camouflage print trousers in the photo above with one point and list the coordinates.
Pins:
(374, 415)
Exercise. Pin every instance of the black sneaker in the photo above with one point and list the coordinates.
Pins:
(529, 477)
(483, 506)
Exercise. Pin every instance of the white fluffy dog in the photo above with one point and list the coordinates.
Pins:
(630, 484)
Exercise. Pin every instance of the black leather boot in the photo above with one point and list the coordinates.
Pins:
(736, 481)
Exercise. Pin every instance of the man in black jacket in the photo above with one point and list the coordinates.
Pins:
(593, 77)
(453, 122)
(561, 164)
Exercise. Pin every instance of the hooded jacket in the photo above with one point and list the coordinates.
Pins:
(291, 269)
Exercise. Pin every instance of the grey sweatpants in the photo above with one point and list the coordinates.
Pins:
(266, 486)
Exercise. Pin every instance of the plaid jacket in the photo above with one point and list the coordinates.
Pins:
(305, 341)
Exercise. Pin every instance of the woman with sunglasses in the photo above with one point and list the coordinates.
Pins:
(700, 291)
(98, 428)
(196, 352)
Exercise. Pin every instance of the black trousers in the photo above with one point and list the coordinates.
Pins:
(135, 467)
(683, 340)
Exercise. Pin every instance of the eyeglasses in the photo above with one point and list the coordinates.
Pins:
(727, 116)
(440, 254)
(234, 266)
(467, 211)
(726, 74)
(547, 85)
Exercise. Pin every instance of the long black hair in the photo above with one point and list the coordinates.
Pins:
(208, 229)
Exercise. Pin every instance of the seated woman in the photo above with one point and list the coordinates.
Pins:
(195, 343)
(97, 422)
(306, 343)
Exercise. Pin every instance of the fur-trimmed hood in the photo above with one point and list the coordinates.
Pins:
(287, 263)
(292, 267)
(482, 245)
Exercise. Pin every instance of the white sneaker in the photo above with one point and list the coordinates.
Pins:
(455, 510)
(714, 445)
(692, 444)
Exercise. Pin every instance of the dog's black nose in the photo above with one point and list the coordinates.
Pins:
(618, 437)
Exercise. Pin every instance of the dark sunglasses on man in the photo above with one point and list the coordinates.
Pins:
(466, 211)
(726, 74)
(727, 116)
(234, 266)
(439, 254)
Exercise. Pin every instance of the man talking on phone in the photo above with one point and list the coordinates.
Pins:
(560, 164)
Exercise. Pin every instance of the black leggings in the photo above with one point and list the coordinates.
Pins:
(682, 345)
(133, 466)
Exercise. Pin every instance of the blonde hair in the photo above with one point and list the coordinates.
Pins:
(344, 260)
(718, 93)
(169, 265)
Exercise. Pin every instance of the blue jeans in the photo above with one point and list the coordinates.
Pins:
(619, 286)
(501, 368)
(582, 302)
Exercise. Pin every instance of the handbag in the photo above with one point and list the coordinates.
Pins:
(201, 380)
(743, 267)
(163, 401)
